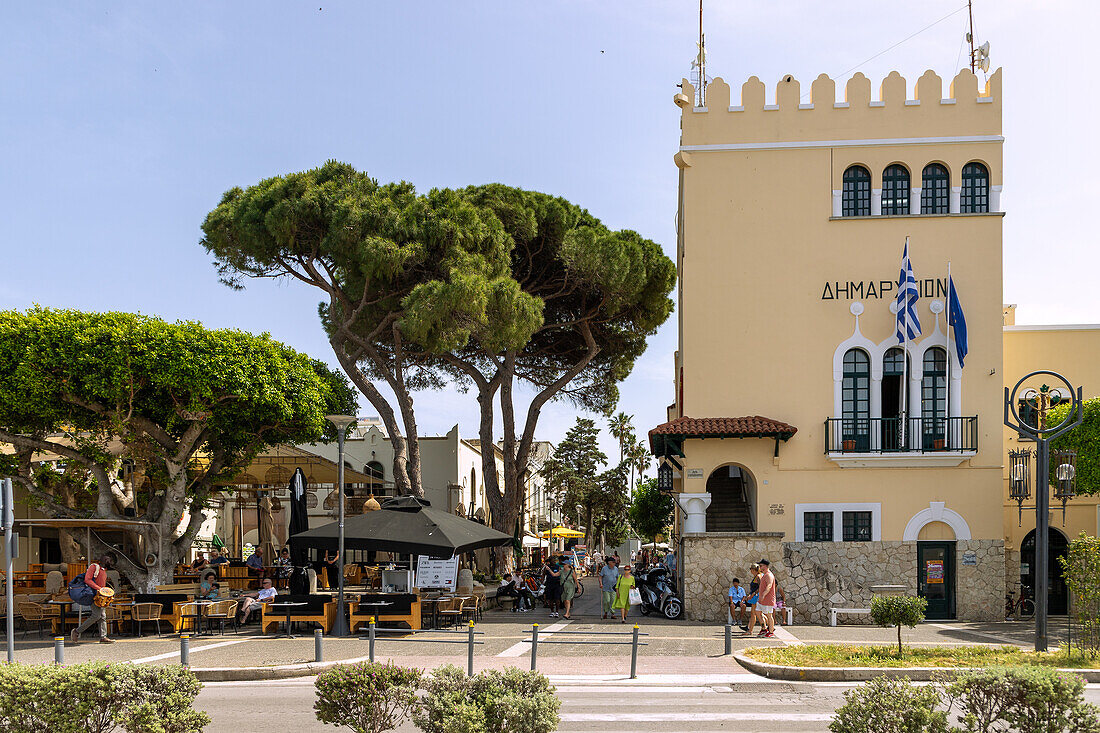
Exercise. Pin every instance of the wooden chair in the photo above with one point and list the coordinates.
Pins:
(32, 613)
(142, 612)
(450, 612)
(221, 612)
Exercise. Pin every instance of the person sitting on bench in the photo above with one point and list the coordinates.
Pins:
(254, 602)
(513, 587)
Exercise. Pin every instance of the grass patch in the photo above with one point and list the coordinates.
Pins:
(842, 655)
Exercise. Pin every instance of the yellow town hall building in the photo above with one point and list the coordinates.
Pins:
(801, 429)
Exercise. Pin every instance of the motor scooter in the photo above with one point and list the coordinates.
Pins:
(658, 593)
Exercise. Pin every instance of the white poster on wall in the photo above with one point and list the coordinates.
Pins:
(436, 573)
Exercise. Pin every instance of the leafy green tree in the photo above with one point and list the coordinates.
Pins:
(898, 611)
(650, 510)
(1085, 439)
(110, 412)
(490, 285)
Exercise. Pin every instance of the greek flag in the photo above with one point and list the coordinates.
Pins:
(957, 320)
(908, 324)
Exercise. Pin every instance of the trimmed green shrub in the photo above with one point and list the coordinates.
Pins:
(99, 698)
(1081, 565)
(495, 701)
(888, 705)
(1025, 699)
(367, 697)
(898, 611)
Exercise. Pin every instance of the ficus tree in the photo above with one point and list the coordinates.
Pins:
(650, 510)
(123, 416)
(1084, 439)
(492, 286)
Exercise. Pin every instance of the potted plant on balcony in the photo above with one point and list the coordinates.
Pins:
(848, 445)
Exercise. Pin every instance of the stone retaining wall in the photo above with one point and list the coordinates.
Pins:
(816, 576)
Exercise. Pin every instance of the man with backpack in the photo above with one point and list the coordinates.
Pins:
(83, 588)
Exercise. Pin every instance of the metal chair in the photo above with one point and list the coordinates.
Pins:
(450, 612)
(221, 612)
(142, 612)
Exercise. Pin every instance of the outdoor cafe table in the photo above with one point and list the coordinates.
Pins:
(64, 611)
(289, 606)
(375, 606)
(197, 615)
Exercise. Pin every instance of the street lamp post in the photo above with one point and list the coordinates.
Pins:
(1065, 472)
(340, 628)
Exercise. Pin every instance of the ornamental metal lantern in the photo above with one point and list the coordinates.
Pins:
(1019, 478)
(1063, 465)
(664, 478)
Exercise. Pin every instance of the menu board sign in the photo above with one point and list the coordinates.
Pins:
(933, 571)
(435, 573)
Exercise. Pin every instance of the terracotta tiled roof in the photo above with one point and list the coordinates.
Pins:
(753, 426)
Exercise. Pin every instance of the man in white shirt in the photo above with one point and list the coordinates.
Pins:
(250, 603)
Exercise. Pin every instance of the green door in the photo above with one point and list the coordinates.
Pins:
(936, 578)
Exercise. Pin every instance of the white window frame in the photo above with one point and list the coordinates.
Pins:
(838, 518)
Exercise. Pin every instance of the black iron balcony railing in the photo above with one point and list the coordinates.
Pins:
(900, 435)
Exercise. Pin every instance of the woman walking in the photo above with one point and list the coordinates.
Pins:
(569, 584)
(623, 587)
(551, 593)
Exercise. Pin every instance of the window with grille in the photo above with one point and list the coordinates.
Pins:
(855, 198)
(975, 189)
(935, 190)
(895, 190)
(817, 527)
(857, 526)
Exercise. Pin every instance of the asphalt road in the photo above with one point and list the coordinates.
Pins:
(666, 703)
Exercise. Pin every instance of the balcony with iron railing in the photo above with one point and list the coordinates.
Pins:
(898, 441)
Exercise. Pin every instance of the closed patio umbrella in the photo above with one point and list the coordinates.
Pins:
(299, 515)
(408, 525)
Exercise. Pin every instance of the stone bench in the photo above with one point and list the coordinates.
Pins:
(834, 611)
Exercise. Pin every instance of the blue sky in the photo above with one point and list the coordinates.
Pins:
(122, 124)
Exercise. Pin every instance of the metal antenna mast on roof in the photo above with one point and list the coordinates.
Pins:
(979, 57)
(699, 65)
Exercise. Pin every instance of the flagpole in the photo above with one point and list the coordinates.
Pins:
(905, 355)
(947, 386)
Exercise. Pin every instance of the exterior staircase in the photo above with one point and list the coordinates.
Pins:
(728, 510)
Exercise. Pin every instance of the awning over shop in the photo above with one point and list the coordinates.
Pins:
(275, 466)
(668, 438)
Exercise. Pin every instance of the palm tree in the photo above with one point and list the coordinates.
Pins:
(638, 456)
(622, 430)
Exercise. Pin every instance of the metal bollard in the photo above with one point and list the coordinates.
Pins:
(59, 650)
(185, 650)
(370, 637)
(634, 655)
(729, 640)
(318, 651)
(534, 645)
(470, 652)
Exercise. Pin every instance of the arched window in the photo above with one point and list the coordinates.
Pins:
(975, 189)
(935, 192)
(895, 190)
(855, 198)
(377, 474)
(933, 398)
(856, 401)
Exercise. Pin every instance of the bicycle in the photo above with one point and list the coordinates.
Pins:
(1020, 609)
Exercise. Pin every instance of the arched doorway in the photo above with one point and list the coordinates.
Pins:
(732, 490)
(1058, 596)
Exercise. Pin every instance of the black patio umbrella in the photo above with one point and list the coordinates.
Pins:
(408, 525)
(299, 516)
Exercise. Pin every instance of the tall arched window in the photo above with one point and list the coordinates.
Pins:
(377, 475)
(935, 192)
(933, 399)
(893, 398)
(855, 197)
(895, 190)
(856, 401)
(975, 189)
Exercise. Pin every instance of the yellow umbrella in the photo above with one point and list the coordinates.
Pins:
(560, 531)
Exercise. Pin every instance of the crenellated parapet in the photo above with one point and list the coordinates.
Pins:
(791, 115)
